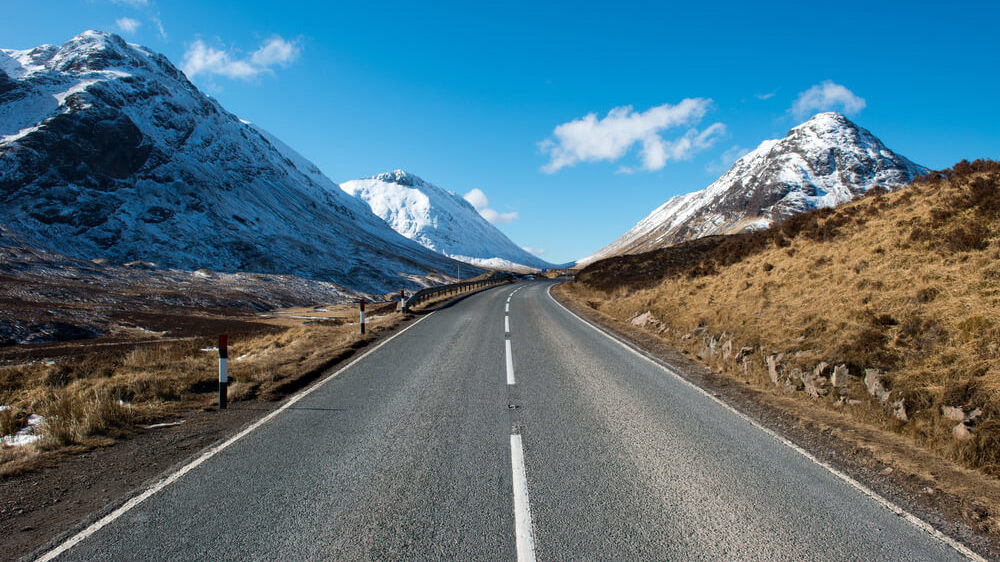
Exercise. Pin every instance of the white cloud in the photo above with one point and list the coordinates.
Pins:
(133, 3)
(477, 199)
(275, 51)
(200, 58)
(590, 139)
(722, 163)
(766, 96)
(826, 96)
(481, 203)
(656, 155)
(535, 251)
(127, 25)
(493, 217)
(159, 27)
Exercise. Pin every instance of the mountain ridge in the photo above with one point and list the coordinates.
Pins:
(440, 220)
(107, 150)
(825, 161)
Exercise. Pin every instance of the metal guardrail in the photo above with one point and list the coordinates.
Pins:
(454, 288)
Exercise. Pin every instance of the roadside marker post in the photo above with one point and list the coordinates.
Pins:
(223, 371)
(362, 317)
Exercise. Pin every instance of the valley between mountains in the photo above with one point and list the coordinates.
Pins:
(798, 361)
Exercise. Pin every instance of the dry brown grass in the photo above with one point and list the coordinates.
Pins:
(89, 400)
(908, 282)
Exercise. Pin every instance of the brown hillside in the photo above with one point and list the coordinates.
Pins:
(907, 283)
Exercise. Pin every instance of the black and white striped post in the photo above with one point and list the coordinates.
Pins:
(223, 371)
(362, 317)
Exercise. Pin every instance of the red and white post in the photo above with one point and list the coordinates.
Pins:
(223, 371)
(362, 317)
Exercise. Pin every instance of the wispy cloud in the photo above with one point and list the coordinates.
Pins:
(723, 162)
(131, 25)
(826, 96)
(159, 27)
(201, 58)
(766, 96)
(481, 203)
(127, 25)
(589, 139)
(535, 251)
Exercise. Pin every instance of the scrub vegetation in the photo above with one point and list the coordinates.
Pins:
(90, 399)
(900, 290)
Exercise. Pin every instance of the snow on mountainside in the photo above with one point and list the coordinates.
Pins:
(826, 161)
(107, 150)
(440, 220)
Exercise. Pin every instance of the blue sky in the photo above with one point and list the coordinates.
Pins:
(467, 96)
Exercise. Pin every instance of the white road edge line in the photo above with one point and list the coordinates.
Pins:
(506, 324)
(163, 483)
(506, 307)
(524, 537)
(510, 362)
(913, 519)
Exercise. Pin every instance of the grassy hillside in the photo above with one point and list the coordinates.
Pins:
(903, 287)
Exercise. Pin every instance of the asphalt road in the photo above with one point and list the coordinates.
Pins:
(408, 454)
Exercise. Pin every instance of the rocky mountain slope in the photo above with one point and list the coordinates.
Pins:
(107, 150)
(439, 220)
(826, 161)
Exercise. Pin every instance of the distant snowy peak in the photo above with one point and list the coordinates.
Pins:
(440, 220)
(826, 161)
(108, 150)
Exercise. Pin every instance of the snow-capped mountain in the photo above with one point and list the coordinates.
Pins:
(440, 220)
(107, 150)
(826, 161)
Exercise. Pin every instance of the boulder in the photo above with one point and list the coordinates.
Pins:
(841, 376)
(645, 319)
(875, 382)
(727, 349)
(814, 382)
(953, 413)
(708, 346)
(745, 351)
(773, 362)
(794, 381)
(899, 410)
(822, 370)
(961, 432)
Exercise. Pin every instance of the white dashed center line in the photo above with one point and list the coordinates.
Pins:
(524, 536)
(510, 363)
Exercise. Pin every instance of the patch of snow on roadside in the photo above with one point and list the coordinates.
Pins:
(28, 434)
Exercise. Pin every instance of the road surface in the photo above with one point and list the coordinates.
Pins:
(505, 428)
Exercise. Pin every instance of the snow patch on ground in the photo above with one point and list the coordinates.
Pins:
(28, 434)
